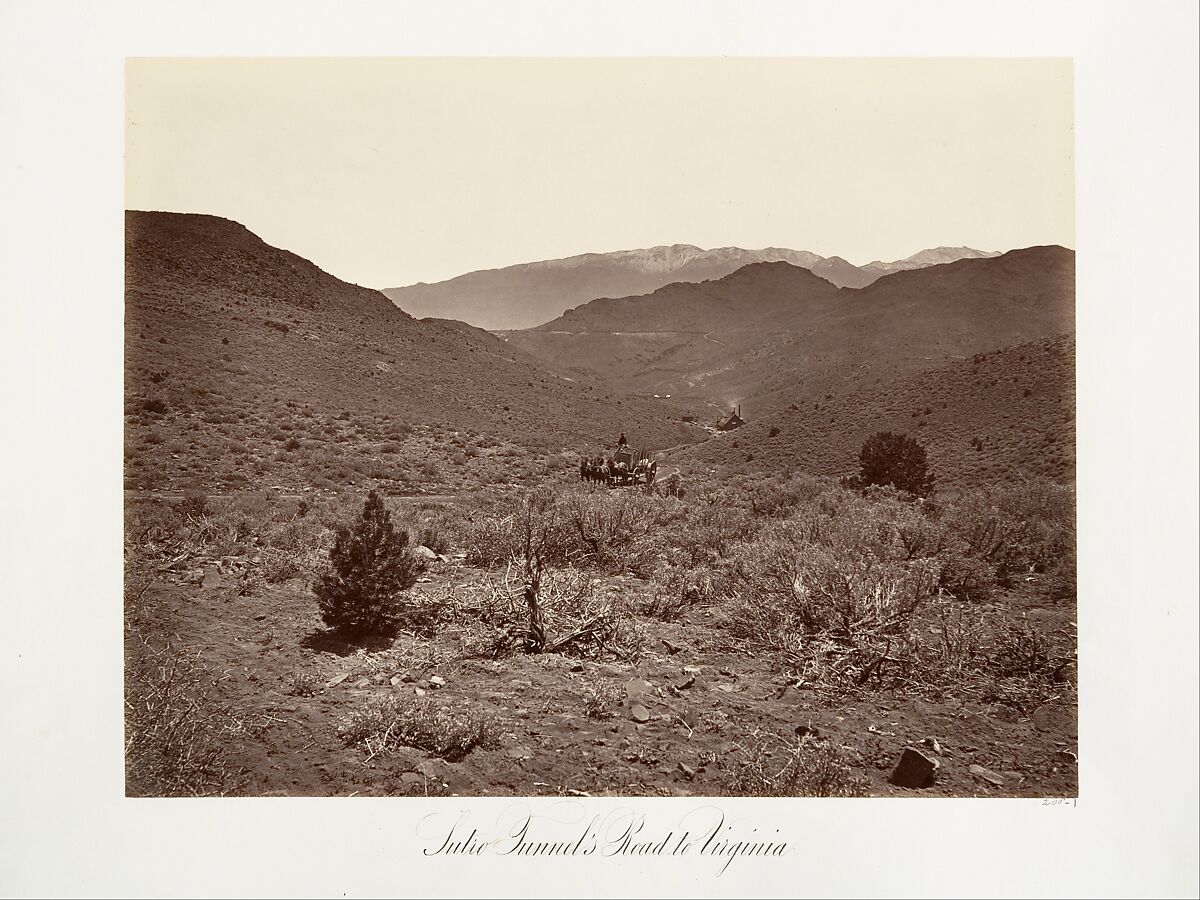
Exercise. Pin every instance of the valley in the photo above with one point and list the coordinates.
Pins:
(753, 623)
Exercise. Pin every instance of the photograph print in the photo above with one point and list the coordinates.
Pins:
(641, 427)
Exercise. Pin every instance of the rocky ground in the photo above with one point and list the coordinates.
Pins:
(270, 696)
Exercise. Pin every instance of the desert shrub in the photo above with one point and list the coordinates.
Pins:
(176, 729)
(831, 591)
(292, 443)
(1021, 651)
(602, 698)
(386, 723)
(615, 528)
(281, 327)
(511, 532)
(194, 505)
(155, 405)
(433, 535)
(779, 496)
(1018, 530)
(967, 578)
(921, 535)
(707, 531)
(771, 766)
(895, 459)
(488, 540)
(279, 565)
(678, 587)
(370, 564)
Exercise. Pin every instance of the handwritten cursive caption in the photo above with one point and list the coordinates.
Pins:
(620, 833)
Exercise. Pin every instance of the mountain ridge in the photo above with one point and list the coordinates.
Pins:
(769, 330)
(528, 294)
(243, 359)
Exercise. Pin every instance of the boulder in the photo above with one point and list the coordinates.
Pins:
(424, 552)
(915, 770)
(639, 713)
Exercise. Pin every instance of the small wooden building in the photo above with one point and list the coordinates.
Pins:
(734, 420)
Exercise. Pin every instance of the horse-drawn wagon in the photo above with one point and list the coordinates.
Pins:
(626, 466)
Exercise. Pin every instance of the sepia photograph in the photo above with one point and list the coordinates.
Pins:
(671, 448)
(586, 427)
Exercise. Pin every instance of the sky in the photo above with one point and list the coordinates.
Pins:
(390, 171)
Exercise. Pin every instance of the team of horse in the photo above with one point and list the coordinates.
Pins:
(598, 470)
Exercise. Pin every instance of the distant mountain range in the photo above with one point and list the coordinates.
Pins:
(530, 294)
(771, 334)
(246, 363)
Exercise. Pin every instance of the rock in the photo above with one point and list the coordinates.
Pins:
(691, 670)
(362, 683)
(688, 772)
(803, 731)
(443, 557)
(212, 578)
(576, 667)
(424, 552)
(437, 681)
(639, 713)
(334, 682)
(379, 678)
(987, 775)
(635, 687)
(671, 648)
(397, 679)
(728, 673)
(914, 770)
(419, 692)
(932, 744)
(686, 683)
(727, 688)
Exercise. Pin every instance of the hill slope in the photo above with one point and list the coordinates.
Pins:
(1017, 403)
(529, 294)
(247, 363)
(770, 334)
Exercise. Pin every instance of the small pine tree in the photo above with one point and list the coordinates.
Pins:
(370, 564)
(895, 459)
